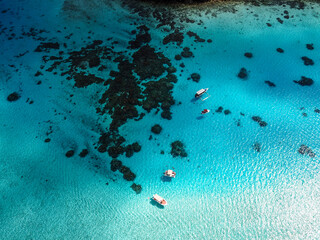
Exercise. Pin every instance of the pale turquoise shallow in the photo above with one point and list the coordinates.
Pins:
(224, 189)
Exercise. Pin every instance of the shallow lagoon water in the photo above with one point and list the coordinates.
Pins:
(224, 189)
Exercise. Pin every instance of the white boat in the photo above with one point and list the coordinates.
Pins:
(200, 93)
(159, 199)
(170, 173)
(205, 111)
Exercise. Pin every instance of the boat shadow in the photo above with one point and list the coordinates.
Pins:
(193, 100)
(200, 117)
(166, 179)
(154, 203)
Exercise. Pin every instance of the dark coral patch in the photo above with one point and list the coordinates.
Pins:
(270, 84)
(176, 37)
(196, 36)
(70, 153)
(136, 187)
(305, 150)
(115, 165)
(83, 153)
(186, 53)
(280, 50)
(46, 46)
(177, 149)
(142, 37)
(83, 80)
(147, 63)
(13, 97)
(195, 77)
(310, 46)
(307, 61)
(248, 55)
(156, 129)
(259, 120)
(243, 73)
(304, 81)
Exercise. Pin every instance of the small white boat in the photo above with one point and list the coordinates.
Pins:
(205, 111)
(170, 173)
(159, 199)
(200, 93)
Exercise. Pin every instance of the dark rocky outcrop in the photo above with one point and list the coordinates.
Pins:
(219, 110)
(46, 46)
(243, 73)
(127, 173)
(176, 37)
(196, 36)
(227, 112)
(305, 150)
(115, 165)
(83, 153)
(259, 120)
(248, 55)
(270, 84)
(141, 38)
(13, 97)
(136, 147)
(307, 61)
(136, 187)
(70, 153)
(304, 81)
(280, 50)
(186, 53)
(195, 77)
(177, 149)
(310, 46)
(83, 80)
(257, 147)
(156, 129)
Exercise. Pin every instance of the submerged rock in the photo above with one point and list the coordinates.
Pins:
(137, 188)
(219, 110)
(259, 120)
(305, 150)
(166, 114)
(243, 73)
(84, 153)
(227, 112)
(115, 165)
(45, 46)
(136, 147)
(195, 77)
(307, 61)
(186, 53)
(127, 173)
(270, 84)
(280, 50)
(257, 147)
(304, 81)
(310, 46)
(156, 129)
(174, 37)
(248, 55)
(13, 97)
(70, 153)
(177, 149)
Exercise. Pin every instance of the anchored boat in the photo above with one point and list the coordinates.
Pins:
(159, 200)
(170, 173)
(201, 92)
(205, 111)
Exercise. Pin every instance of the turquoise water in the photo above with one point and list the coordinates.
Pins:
(224, 189)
